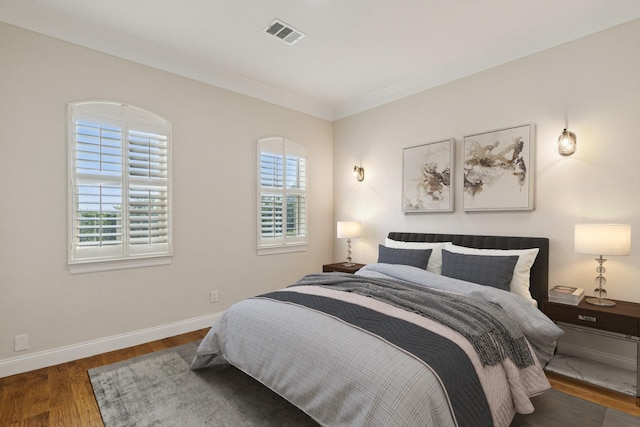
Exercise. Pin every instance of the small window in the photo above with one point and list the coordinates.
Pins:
(119, 195)
(282, 196)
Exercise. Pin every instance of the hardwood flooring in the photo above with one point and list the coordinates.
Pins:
(602, 396)
(62, 395)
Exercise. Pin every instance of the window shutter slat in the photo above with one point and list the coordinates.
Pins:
(98, 219)
(147, 155)
(148, 215)
(98, 148)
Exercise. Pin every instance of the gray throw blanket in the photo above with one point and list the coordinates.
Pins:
(493, 334)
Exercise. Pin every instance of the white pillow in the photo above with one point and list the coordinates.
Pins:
(435, 260)
(521, 274)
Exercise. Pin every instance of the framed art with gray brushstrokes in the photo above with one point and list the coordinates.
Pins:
(498, 170)
(427, 174)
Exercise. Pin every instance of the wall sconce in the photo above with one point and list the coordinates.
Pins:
(567, 143)
(358, 172)
(602, 239)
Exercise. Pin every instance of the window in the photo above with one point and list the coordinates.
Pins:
(282, 196)
(119, 195)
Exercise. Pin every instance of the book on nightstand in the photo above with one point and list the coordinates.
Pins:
(566, 295)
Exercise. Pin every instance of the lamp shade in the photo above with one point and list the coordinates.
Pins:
(603, 239)
(349, 230)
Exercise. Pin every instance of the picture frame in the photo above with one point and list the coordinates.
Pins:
(427, 177)
(498, 169)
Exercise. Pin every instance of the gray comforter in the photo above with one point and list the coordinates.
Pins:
(345, 373)
(487, 326)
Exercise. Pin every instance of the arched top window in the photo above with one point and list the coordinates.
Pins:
(120, 187)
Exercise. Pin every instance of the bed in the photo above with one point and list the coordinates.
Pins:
(406, 341)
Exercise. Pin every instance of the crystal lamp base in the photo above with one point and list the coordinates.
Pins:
(601, 302)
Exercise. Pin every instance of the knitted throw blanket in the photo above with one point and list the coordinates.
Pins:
(491, 331)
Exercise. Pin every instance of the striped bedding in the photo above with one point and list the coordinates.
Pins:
(351, 360)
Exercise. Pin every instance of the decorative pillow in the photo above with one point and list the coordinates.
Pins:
(521, 274)
(435, 260)
(490, 270)
(413, 257)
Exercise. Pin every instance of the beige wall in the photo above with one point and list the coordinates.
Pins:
(214, 134)
(595, 80)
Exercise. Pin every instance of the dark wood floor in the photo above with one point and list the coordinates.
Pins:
(62, 395)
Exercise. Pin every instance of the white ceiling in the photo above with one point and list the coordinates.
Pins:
(357, 54)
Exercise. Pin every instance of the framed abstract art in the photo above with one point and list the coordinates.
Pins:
(498, 169)
(427, 175)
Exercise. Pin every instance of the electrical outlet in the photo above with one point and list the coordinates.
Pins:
(21, 342)
(214, 296)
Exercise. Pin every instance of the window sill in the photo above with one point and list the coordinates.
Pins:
(281, 249)
(118, 264)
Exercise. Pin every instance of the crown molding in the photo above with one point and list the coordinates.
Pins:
(62, 27)
(78, 33)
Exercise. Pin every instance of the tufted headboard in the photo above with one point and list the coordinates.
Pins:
(539, 280)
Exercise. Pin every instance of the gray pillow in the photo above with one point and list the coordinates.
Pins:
(413, 257)
(489, 270)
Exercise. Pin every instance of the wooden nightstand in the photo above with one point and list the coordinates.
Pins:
(340, 267)
(621, 321)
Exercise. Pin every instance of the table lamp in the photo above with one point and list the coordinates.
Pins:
(349, 230)
(602, 239)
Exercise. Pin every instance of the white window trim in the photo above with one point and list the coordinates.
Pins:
(272, 250)
(128, 257)
(93, 266)
(287, 245)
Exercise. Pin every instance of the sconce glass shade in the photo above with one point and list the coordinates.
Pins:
(358, 172)
(567, 143)
(602, 239)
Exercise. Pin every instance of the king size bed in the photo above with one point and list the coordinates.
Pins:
(443, 330)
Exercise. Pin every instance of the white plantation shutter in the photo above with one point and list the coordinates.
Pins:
(148, 215)
(282, 194)
(120, 183)
(148, 198)
(97, 215)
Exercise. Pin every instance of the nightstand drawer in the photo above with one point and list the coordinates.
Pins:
(593, 317)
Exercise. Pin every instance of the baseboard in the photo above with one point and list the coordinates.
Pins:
(598, 356)
(43, 359)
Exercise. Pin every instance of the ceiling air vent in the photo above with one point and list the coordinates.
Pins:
(284, 32)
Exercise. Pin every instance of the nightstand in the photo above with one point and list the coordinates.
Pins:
(621, 321)
(340, 267)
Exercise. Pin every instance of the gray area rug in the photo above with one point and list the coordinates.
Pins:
(159, 389)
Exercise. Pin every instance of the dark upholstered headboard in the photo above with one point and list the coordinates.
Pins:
(539, 281)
